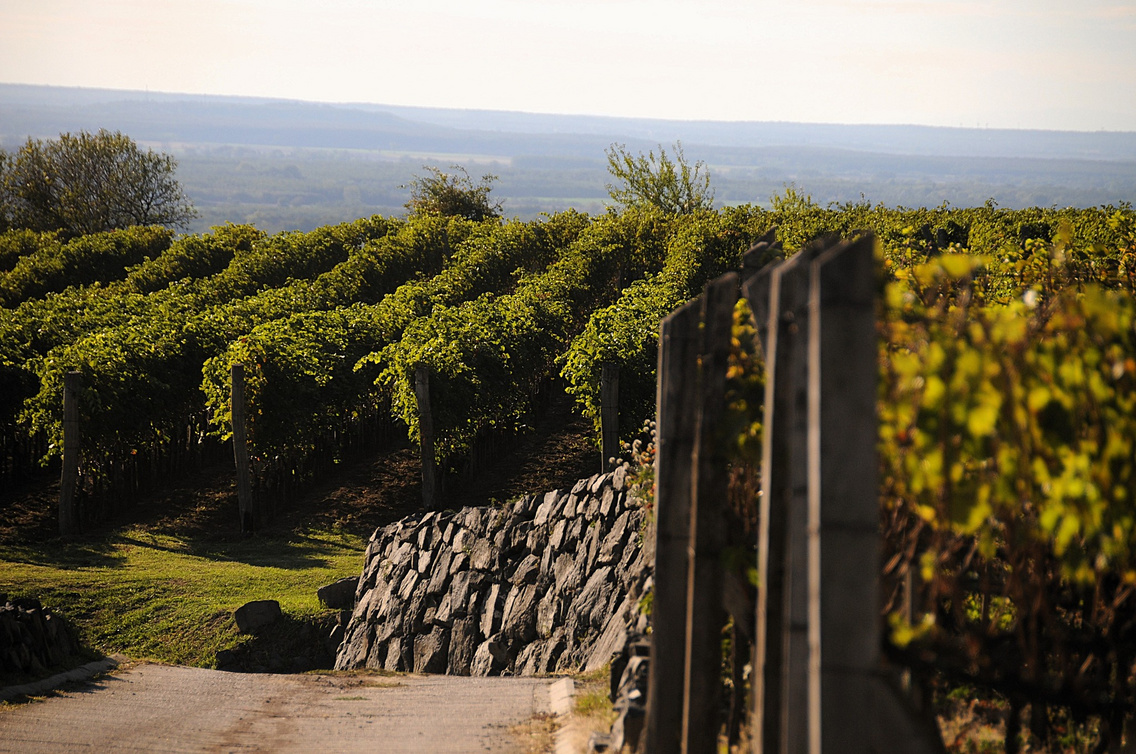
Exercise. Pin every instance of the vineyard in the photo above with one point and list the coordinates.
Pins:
(1008, 376)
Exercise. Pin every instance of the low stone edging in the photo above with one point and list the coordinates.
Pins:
(33, 639)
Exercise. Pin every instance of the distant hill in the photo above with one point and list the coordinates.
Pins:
(285, 164)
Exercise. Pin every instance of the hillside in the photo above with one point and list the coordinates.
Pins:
(296, 165)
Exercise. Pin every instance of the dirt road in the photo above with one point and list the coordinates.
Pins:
(176, 709)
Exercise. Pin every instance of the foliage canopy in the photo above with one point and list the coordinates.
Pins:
(658, 181)
(89, 183)
(453, 194)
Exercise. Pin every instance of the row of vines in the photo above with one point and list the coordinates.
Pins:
(1008, 438)
(332, 324)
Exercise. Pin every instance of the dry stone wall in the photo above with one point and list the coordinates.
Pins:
(550, 582)
(33, 639)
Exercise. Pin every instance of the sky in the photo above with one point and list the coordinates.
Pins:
(1046, 64)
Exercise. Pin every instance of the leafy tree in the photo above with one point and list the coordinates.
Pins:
(5, 200)
(89, 183)
(452, 195)
(670, 185)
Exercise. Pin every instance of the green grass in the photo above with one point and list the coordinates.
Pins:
(169, 599)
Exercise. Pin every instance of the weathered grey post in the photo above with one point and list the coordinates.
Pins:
(609, 414)
(781, 662)
(854, 705)
(843, 499)
(704, 613)
(674, 442)
(426, 438)
(240, 448)
(69, 477)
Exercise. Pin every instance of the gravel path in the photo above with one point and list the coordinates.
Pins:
(163, 708)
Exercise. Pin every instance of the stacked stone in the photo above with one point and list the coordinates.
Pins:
(33, 639)
(551, 582)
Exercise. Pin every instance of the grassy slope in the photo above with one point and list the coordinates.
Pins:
(169, 598)
(161, 580)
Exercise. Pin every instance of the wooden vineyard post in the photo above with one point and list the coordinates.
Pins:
(609, 414)
(705, 615)
(69, 478)
(781, 662)
(240, 449)
(677, 376)
(843, 498)
(426, 439)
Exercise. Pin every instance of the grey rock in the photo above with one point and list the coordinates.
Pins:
(551, 651)
(543, 512)
(462, 541)
(257, 614)
(556, 539)
(619, 478)
(565, 573)
(613, 638)
(440, 576)
(612, 545)
(526, 571)
(463, 644)
(431, 651)
(393, 660)
(526, 588)
(481, 555)
(490, 617)
(594, 597)
(574, 532)
(547, 613)
(376, 658)
(518, 535)
(463, 585)
(409, 582)
(414, 613)
(546, 560)
(525, 506)
(490, 657)
(535, 539)
(354, 647)
(528, 660)
(607, 503)
(339, 594)
(444, 615)
(519, 615)
(473, 519)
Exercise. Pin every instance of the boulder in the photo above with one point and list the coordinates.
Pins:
(257, 614)
(339, 595)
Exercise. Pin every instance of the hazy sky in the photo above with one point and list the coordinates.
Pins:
(1055, 64)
